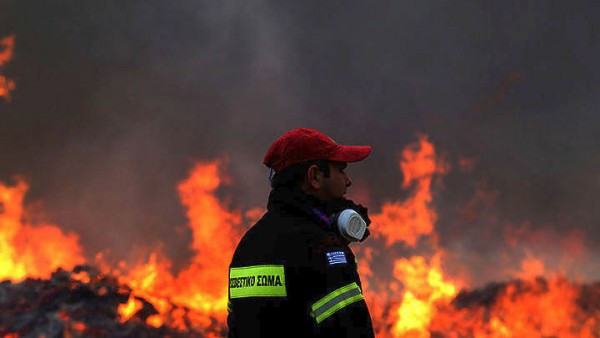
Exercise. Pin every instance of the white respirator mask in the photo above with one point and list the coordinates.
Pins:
(350, 225)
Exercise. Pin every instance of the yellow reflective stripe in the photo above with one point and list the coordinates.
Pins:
(335, 301)
(257, 281)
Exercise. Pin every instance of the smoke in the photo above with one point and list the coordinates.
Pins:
(116, 100)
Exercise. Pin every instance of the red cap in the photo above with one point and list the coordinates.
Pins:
(305, 144)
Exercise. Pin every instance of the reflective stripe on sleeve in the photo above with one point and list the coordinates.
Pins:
(257, 281)
(335, 301)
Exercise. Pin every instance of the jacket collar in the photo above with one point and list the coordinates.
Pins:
(291, 200)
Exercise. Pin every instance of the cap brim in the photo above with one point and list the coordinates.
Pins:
(351, 153)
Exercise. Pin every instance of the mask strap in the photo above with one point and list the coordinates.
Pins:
(321, 216)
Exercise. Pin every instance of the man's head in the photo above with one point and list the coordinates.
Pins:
(309, 159)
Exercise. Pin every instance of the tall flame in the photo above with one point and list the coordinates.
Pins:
(418, 284)
(202, 286)
(407, 221)
(6, 51)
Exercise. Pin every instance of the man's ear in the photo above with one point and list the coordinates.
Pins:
(314, 176)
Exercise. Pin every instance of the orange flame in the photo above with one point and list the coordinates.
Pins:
(424, 288)
(127, 310)
(202, 286)
(6, 51)
(527, 308)
(409, 220)
(418, 286)
(28, 250)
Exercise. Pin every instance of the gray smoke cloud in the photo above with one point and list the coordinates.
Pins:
(116, 100)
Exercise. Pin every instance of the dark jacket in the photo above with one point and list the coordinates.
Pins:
(292, 276)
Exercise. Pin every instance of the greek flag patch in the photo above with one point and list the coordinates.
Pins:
(336, 257)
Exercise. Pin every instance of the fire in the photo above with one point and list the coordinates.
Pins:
(418, 285)
(31, 250)
(214, 240)
(405, 284)
(202, 286)
(6, 51)
(129, 309)
(71, 327)
(420, 300)
(523, 308)
(409, 220)
(424, 287)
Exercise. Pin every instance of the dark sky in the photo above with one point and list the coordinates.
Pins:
(116, 100)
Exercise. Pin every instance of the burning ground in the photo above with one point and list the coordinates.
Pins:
(82, 303)
(50, 288)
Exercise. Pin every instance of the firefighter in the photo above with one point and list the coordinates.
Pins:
(293, 273)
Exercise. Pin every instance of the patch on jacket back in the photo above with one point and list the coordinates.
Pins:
(336, 257)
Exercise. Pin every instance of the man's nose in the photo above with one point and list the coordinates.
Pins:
(348, 181)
